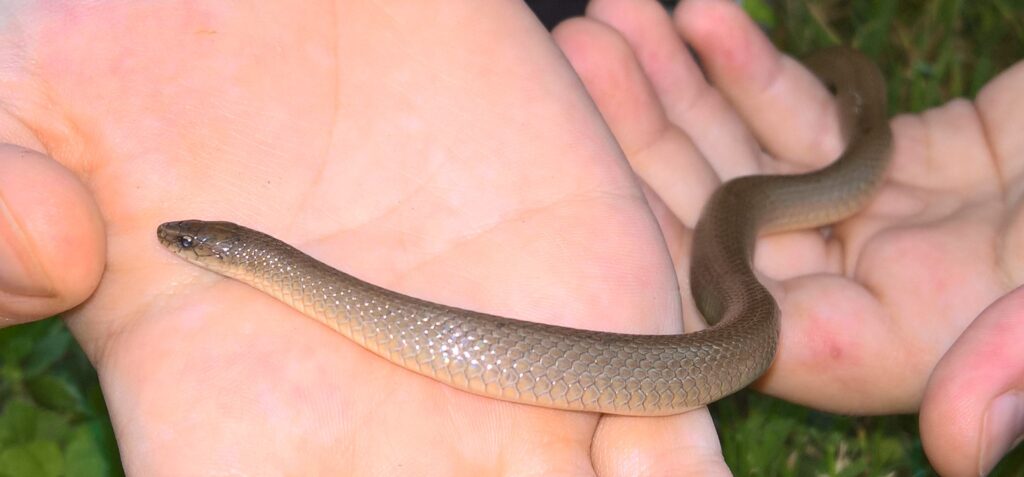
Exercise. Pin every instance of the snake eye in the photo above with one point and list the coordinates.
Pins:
(186, 241)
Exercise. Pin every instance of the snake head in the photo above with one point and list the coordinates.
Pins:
(209, 244)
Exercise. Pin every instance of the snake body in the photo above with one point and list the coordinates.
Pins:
(575, 369)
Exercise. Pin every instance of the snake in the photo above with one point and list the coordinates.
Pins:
(583, 370)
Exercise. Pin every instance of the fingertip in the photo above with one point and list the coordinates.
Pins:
(659, 152)
(52, 245)
(723, 34)
(648, 28)
(610, 73)
(791, 114)
(583, 41)
(972, 412)
(664, 58)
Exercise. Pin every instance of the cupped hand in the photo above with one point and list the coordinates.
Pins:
(442, 149)
(888, 311)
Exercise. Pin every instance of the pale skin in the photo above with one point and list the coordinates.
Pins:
(448, 151)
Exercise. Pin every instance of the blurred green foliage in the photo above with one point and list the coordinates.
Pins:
(931, 52)
(766, 436)
(53, 420)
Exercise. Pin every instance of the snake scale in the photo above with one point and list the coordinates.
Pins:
(582, 370)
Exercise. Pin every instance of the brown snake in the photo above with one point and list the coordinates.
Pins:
(581, 370)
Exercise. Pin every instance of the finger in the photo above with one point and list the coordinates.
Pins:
(667, 161)
(1001, 108)
(689, 102)
(52, 246)
(973, 408)
(837, 354)
(660, 153)
(789, 111)
(684, 444)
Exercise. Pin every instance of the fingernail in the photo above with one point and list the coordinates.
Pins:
(1003, 429)
(20, 272)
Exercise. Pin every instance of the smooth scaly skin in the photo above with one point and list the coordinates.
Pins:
(575, 369)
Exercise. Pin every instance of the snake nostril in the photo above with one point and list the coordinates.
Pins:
(540, 364)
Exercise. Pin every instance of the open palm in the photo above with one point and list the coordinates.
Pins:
(446, 151)
(888, 312)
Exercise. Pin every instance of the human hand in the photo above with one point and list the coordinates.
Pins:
(411, 144)
(890, 311)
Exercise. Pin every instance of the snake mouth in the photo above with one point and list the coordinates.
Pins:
(198, 241)
(167, 233)
(186, 238)
(171, 234)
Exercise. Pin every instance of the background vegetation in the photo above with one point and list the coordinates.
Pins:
(931, 51)
(53, 420)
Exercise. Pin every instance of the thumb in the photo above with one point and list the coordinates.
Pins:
(973, 409)
(52, 241)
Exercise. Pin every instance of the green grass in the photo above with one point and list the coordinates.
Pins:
(766, 436)
(53, 421)
(931, 51)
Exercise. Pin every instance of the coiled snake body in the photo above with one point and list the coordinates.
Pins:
(581, 370)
